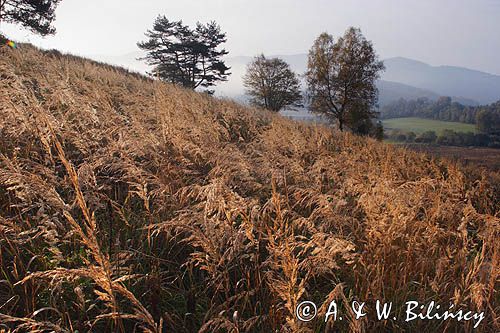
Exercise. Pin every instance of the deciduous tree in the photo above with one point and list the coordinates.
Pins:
(272, 84)
(341, 79)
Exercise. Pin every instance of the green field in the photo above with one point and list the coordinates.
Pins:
(420, 125)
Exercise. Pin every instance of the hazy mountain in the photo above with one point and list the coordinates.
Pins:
(391, 91)
(444, 80)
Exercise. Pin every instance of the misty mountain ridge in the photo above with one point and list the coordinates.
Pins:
(390, 91)
(444, 80)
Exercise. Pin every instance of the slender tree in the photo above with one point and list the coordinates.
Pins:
(272, 84)
(35, 15)
(185, 56)
(341, 79)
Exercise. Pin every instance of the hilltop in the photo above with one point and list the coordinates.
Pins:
(126, 203)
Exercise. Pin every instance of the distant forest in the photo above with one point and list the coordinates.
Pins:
(485, 117)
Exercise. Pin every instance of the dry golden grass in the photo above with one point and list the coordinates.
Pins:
(128, 205)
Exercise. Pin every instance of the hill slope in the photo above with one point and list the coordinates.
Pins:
(130, 204)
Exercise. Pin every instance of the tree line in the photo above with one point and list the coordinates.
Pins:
(445, 138)
(485, 117)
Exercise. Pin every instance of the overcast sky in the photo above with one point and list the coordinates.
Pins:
(440, 32)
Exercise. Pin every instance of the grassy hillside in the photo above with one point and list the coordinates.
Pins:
(420, 125)
(131, 205)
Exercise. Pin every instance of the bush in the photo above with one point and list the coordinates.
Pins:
(3, 40)
(427, 137)
(401, 137)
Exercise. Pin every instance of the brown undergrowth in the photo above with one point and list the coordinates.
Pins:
(128, 205)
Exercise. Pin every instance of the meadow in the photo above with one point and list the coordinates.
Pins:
(131, 205)
(420, 125)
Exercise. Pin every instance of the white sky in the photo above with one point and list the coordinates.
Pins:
(449, 32)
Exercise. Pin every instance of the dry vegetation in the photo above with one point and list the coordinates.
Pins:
(129, 205)
(473, 157)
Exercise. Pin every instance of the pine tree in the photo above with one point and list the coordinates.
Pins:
(185, 56)
(35, 15)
